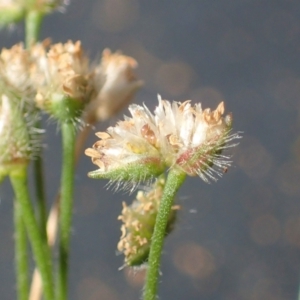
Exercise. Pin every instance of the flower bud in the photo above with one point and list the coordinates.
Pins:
(138, 224)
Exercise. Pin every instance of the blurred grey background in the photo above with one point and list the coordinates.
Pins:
(237, 239)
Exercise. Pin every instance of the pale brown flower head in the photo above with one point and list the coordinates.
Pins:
(15, 64)
(138, 224)
(177, 135)
(115, 85)
(62, 72)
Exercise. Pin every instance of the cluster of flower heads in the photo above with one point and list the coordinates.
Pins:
(138, 224)
(178, 135)
(60, 80)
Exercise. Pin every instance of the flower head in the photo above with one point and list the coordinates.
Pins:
(61, 76)
(177, 135)
(15, 64)
(115, 85)
(138, 223)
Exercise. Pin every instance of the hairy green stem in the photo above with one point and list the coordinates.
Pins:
(173, 183)
(40, 248)
(40, 192)
(33, 23)
(21, 254)
(66, 206)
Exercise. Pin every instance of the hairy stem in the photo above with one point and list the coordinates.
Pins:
(33, 23)
(65, 209)
(173, 183)
(21, 254)
(40, 249)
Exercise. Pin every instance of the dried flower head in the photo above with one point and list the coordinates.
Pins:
(61, 76)
(15, 64)
(115, 85)
(177, 135)
(138, 224)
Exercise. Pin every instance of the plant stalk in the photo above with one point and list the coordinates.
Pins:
(40, 249)
(173, 183)
(33, 22)
(65, 208)
(21, 254)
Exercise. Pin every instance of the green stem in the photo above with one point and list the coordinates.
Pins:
(66, 205)
(40, 192)
(40, 249)
(33, 23)
(173, 183)
(21, 258)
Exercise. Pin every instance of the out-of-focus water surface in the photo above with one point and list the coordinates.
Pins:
(237, 239)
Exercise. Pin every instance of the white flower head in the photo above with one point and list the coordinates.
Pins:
(15, 64)
(115, 85)
(61, 75)
(177, 135)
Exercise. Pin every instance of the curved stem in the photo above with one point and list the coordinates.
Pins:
(173, 183)
(66, 206)
(40, 249)
(21, 258)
